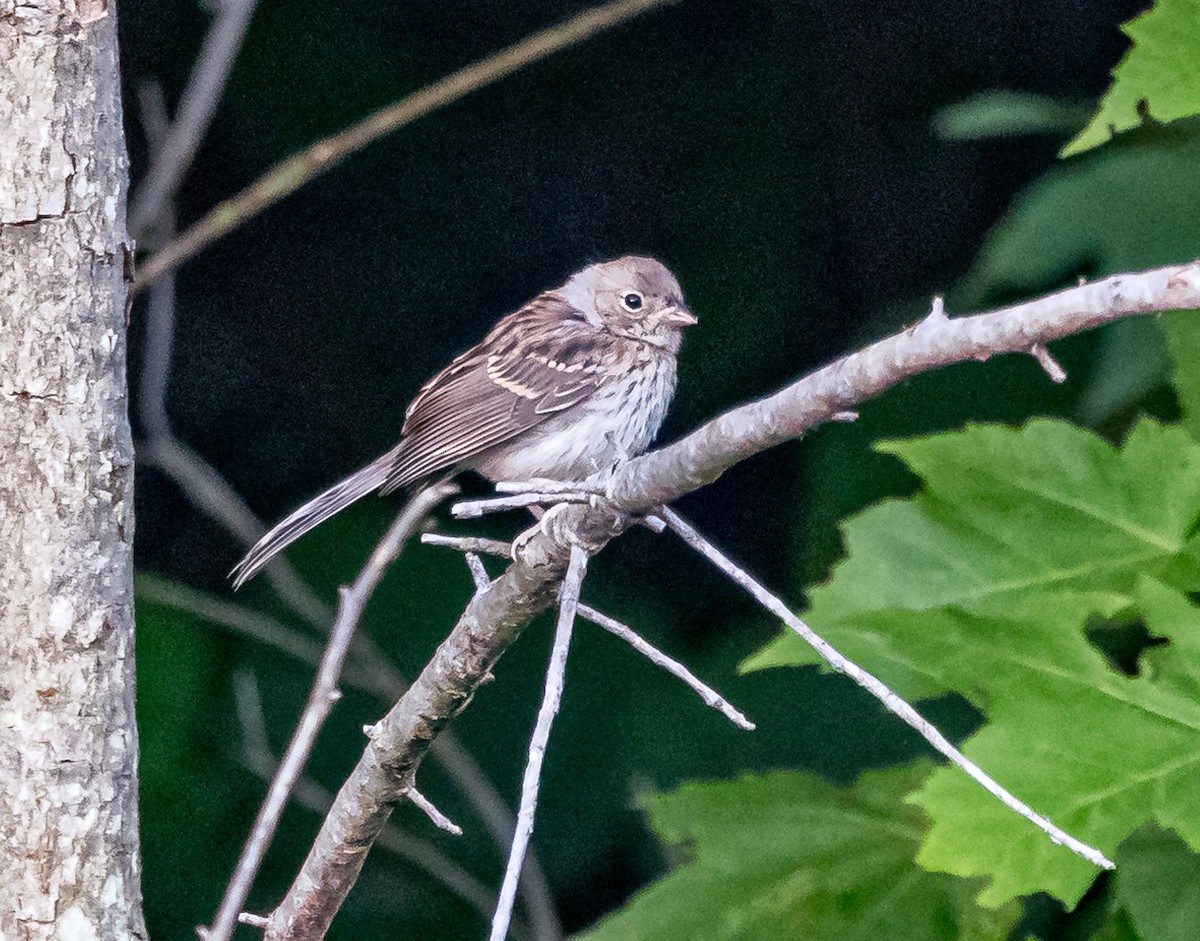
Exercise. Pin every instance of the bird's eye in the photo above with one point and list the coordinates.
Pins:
(632, 301)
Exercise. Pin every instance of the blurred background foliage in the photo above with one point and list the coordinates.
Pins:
(814, 172)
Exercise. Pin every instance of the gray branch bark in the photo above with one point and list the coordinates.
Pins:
(70, 866)
(495, 617)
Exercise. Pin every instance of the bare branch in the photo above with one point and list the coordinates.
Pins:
(473, 509)
(426, 857)
(662, 476)
(320, 701)
(289, 175)
(710, 696)
(555, 677)
(892, 702)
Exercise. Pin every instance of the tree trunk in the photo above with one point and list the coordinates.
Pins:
(69, 863)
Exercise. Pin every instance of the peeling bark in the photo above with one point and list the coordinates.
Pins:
(70, 864)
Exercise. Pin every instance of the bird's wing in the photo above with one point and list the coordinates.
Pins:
(486, 397)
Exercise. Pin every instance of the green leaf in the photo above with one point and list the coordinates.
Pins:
(1162, 69)
(983, 583)
(1006, 515)
(1158, 882)
(787, 855)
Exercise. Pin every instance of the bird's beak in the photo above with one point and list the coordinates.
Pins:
(679, 317)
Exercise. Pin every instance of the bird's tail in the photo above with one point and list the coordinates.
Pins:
(313, 513)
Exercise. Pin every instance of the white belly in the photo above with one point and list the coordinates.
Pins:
(619, 422)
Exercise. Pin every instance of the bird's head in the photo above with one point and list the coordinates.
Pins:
(634, 297)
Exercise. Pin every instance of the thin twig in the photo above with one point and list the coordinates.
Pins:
(289, 175)
(576, 488)
(475, 544)
(472, 509)
(426, 806)
(555, 676)
(892, 702)
(710, 696)
(1047, 361)
(320, 702)
(173, 154)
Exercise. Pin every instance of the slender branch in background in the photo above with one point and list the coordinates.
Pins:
(468, 544)
(892, 702)
(424, 856)
(289, 175)
(320, 701)
(555, 678)
(174, 151)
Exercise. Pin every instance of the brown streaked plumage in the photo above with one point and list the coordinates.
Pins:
(573, 382)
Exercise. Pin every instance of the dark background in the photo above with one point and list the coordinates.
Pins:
(780, 157)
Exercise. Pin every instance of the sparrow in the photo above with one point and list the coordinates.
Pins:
(576, 381)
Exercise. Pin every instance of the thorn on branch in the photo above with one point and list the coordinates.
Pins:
(836, 416)
(937, 311)
(1048, 363)
(254, 921)
(440, 820)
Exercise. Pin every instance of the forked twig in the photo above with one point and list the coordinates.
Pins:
(469, 545)
(555, 676)
(891, 701)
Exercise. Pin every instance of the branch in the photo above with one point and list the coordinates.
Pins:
(494, 617)
(289, 175)
(662, 476)
(257, 755)
(551, 698)
(892, 702)
(320, 701)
